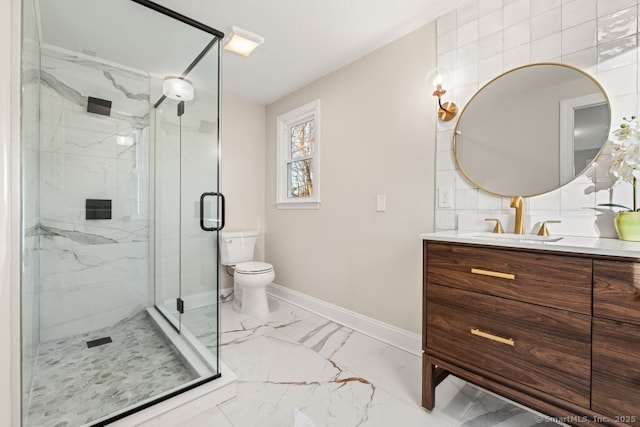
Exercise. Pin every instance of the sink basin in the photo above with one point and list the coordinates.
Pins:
(516, 237)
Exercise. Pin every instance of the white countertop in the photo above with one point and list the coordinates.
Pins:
(573, 244)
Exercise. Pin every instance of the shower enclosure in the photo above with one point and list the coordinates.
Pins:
(120, 208)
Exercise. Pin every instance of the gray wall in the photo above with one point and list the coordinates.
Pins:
(242, 169)
(377, 137)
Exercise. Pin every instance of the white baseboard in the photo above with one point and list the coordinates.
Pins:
(392, 335)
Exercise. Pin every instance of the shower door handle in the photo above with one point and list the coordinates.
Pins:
(221, 220)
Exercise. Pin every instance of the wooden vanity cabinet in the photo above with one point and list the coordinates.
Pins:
(557, 332)
(616, 340)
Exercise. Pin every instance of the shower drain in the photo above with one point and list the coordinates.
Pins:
(99, 341)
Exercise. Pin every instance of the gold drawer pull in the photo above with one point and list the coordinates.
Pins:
(493, 274)
(507, 341)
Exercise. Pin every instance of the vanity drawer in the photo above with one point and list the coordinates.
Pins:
(616, 370)
(615, 295)
(540, 347)
(557, 281)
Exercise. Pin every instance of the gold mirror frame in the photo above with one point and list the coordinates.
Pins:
(515, 165)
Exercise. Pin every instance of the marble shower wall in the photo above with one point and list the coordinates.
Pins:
(93, 272)
(482, 39)
(30, 183)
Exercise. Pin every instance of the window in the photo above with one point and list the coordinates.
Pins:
(298, 171)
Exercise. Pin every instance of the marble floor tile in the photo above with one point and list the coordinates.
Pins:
(488, 410)
(391, 368)
(212, 417)
(294, 368)
(298, 369)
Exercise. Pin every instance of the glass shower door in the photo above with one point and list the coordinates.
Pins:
(189, 209)
(168, 211)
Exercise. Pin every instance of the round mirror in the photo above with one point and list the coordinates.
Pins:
(531, 130)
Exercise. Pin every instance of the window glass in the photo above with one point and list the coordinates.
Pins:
(298, 158)
(300, 178)
(302, 138)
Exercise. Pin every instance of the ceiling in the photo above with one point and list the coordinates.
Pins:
(146, 41)
(305, 39)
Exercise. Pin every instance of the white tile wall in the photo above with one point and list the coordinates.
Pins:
(585, 59)
(468, 54)
(517, 56)
(487, 6)
(580, 37)
(617, 25)
(540, 6)
(447, 42)
(467, 33)
(480, 40)
(547, 48)
(617, 53)
(446, 23)
(517, 35)
(606, 7)
(468, 13)
(516, 12)
(546, 24)
(488, 202)
(490, 23)
(489, 67)
(577, 12)
(490, 45)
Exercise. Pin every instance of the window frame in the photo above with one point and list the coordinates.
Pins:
(285, 122)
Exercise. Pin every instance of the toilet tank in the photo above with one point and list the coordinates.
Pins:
(237, 246)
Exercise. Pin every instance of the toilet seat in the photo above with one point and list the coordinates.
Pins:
(253, 267)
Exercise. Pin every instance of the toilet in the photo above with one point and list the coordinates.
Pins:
(250, 278)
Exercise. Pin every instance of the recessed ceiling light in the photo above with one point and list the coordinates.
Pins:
(241, 41)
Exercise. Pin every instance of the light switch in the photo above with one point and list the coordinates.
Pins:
(381, 203)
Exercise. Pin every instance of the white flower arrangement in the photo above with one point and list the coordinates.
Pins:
(626, 155)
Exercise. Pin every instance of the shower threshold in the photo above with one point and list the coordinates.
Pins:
(194, 354)
(174, 407)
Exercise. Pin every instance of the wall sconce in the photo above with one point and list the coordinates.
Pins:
(241, 41)
(447, 110)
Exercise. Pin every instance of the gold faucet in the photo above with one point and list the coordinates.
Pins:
(498, 227)
(518, 203)
(544, 231)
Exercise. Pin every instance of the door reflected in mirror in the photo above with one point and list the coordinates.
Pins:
(532, 130)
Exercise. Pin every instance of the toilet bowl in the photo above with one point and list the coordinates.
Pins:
(250, 278)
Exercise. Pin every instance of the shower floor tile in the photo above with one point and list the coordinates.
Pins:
(74, 385)
(298, 369)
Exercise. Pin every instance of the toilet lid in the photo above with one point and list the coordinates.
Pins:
(253, 267)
